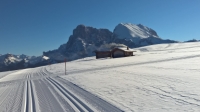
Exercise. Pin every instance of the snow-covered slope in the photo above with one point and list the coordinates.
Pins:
(159, 78)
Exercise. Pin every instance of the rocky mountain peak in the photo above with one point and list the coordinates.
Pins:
(81, 43)
(79, 30)
(89, 35)
(8, 55)
(84, 32)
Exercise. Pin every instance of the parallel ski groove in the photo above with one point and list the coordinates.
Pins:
(77, 99)
(47, 99)
(63, 103)
(29, 100)
(24, 102)
(27, 97)
(79, 104)
(32, 96)
(72, 103)
(95, 101)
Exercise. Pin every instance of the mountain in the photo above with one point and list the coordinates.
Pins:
(132, 31)
(83, 41)
(137, 35)
(86, 39)
(14, 62)
(11, 62)
(193, 40)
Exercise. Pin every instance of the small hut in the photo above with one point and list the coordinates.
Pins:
(115, 53)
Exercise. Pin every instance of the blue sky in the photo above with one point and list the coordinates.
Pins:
(33, 26)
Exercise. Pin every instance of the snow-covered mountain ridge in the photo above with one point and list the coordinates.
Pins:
(86, 39)
(83, 41)
(130, 31)
(137, 35)
(13, 62)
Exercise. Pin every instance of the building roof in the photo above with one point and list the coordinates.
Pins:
(124, 49)
(101, 51)
(120, 48)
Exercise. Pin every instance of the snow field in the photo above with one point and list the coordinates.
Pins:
(38, 90)
(164, 78)
(159, 78)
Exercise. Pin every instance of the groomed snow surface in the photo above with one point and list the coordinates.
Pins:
(159, 78)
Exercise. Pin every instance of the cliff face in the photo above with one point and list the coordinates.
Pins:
(81, 43)
(85, 40)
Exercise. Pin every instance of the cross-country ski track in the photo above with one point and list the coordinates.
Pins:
(37, 90)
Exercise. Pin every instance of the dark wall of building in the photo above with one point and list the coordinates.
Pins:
(103, 54)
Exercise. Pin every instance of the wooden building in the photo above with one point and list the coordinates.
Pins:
(115, 53)
(103, 54)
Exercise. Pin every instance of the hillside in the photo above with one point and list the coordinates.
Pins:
(159, 78)
(83, 42)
